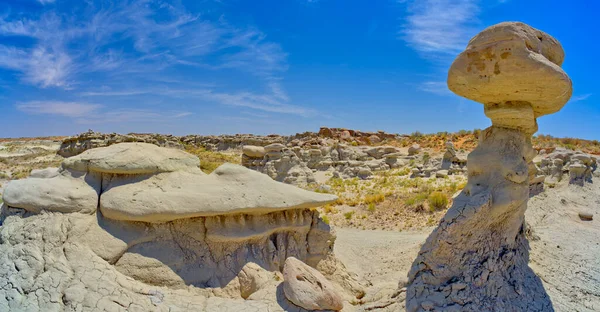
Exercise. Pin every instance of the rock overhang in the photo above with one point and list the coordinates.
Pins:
(143, 182)
(229, 190)
(514, 70)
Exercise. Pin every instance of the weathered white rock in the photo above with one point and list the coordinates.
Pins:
(307, 288)
(230, 189)
(253, 151)
(441, 174)
(275, 147)
(69, 192)
(44, 173)
(201, 242)
(253, 278)
(414, 149)
(132, 158)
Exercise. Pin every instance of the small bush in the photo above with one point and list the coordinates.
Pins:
(325, 219)
(21, 174)
(371, 207)
(404, 171)
(426, 157)
(416, 199)
(348, 215)
(352, 202)
(416, 134)
(374, 198)
(437, 201)
(329, 209)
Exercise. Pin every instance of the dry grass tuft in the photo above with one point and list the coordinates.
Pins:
(209, 160)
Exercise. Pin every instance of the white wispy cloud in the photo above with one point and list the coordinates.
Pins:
(132, 115)
(437, 87)
(274, 99)
(440, 26)
(135, 40)
(45, 1)
(577, 98)
(84, 113)
(66, 109)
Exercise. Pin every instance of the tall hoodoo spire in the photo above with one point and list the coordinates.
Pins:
(477, 258)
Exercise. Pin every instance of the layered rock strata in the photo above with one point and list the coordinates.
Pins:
(136, 227)
(476, 259)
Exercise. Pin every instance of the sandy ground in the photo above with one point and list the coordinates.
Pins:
(565, 250)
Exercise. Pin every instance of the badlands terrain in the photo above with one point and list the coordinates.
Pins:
(484, 220)
(382, 218)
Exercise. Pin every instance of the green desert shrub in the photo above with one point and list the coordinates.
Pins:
(437, 201)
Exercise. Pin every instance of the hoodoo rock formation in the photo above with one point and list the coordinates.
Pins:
(137, 227)
(477, 257)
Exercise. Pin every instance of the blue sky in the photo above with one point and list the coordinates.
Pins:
(280, 66)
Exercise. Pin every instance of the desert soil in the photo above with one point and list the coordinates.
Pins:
(565, 250)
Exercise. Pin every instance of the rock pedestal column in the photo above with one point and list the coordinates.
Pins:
(477, 258)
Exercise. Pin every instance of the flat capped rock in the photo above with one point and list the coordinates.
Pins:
(308, 288)
(253, 151)
(59, 193)
(512, 62)
(275, 147)
(230, 189)
(132, 158)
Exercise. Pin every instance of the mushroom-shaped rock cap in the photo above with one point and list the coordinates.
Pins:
(132, 158)
(230, 189)
(512, 63)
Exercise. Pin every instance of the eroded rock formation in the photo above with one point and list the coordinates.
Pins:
(80, 143)
(476, 259)
(140, 228)
(295, 165)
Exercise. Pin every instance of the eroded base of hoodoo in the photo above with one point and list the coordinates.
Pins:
(477, 258)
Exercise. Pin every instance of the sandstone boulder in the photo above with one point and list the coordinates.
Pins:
(275, 147)
(307, 288)
(253, 151)
(414, 149)
(252, 278)
(514, 70)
